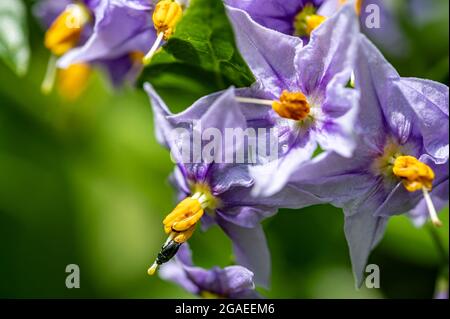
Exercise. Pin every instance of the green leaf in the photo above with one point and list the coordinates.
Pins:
(14, 48)
(203, 49)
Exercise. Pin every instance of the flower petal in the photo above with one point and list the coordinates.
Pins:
(331, 50)
(250, 249)
(120, 27)
(268, 53)
(363, 231)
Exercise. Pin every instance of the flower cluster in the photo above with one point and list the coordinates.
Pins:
(350, 131)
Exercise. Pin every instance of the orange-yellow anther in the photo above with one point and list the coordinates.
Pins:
(183, 218)
(73, 81)
(185, 235)
(292, 105)
(414, 174)
(312, 22)
(65, 31)
(166, 15)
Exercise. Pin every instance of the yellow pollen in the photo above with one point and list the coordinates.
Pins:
(73, 81)
(183, 219)
(166, 15)
(65, 31)
(414, 174)
(312, 22)
(292, 105)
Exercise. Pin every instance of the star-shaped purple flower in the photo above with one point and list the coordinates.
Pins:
(401, 159)
(234, 282)
(224, 188)
(301, 91)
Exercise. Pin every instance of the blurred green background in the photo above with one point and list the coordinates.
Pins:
(86, 183)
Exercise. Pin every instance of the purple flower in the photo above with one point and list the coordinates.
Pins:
(235, 282)
(306, 87)
(219, 193)
(402, 154)
(284, 16)
(121, 27)
(112, 36)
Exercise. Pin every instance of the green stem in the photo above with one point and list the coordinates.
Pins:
(437, 240)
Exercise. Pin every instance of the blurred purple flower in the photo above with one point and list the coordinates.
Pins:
(398, 117)
(315, 77)
(121, 27)
(234, 282)
(115, 39)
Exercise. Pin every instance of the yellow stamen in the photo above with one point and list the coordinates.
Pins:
(73, 81)
(415, 176)
(185, 215)
(312, 22)
(180, 224)
(65, 31)
(166, 15)
(292, 105)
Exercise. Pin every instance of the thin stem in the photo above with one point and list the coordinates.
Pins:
(50, 75)
(431, 210)
(253, 101)
(148, 57)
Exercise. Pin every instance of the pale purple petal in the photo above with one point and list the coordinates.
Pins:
(273, 14)
(271, 177)
(268, 53)
(246, 216)
(430, 102)
(250, 249)
(363, 231)
(331, 51)
(412, 107)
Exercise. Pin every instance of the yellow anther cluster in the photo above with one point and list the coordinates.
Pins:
(183, 219)
(65, 31)
(414, 174)
(166, 15)
(292, 105)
